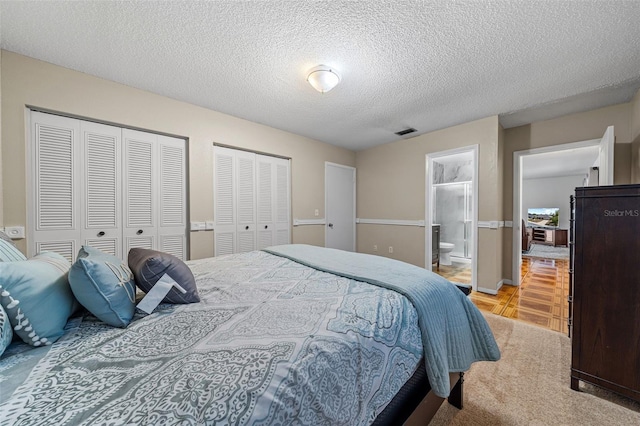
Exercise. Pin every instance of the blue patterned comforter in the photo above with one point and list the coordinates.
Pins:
(454, 333)
(271, 342)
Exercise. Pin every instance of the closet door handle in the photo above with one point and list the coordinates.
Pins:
(139, 232)
(101, 234)
(246, 228)
(331, 225)
(266, 226)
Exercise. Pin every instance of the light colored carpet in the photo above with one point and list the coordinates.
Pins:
(547, 252)
(530, 385)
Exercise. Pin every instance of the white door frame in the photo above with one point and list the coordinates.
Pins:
(428, 207)
(326, 204)
(517, 197)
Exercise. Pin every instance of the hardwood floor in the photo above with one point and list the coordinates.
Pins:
(541, 298)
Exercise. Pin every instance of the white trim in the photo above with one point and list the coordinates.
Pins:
(428, 206)
(492, 291)
(301, 222)
(391, 222)
(507, 282)
(516, 254)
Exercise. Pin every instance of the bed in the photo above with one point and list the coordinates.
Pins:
(295, 334)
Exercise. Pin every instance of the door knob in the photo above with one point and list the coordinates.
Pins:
(331, 225)
(266, 226)
(139, 231)
(246, 227)
(101, 234)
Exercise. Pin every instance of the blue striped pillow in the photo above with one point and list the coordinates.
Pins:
(8, 251)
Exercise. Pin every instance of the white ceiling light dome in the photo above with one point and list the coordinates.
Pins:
(323, 78)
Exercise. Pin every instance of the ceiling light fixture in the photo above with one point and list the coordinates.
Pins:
(323, 78)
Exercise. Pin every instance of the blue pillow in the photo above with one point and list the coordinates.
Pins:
(104, 285)
(6, 334)
(8, 251)
(36, 296)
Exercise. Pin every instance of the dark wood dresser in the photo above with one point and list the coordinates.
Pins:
(605, 293)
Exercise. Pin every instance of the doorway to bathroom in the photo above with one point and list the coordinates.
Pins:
(451, 214)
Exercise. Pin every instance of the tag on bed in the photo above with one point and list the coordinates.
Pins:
(157, 293)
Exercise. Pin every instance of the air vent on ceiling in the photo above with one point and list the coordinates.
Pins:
(406, 131)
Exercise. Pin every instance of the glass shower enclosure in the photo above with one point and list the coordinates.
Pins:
(453, 209)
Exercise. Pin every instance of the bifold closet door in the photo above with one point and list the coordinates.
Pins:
(54, 193)
(251, 200)
(140, 225)
(154, 193)
(100, 149)
(272, 201)
(234, 201)
(103, 186)
(173, 196)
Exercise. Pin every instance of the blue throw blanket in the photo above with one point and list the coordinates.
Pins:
(454, 332)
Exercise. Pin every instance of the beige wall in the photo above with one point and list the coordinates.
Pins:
(391, 185)
(26, 81)
(570, 128)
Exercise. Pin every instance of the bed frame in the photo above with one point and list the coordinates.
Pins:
(416, 404)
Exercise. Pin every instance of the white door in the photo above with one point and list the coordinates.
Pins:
(224, 195)
(340, 206)
(55, 210)
(282, 203)
(100, 151)
(605, 172)
(173, 197)
(246, 201)
(140, 190)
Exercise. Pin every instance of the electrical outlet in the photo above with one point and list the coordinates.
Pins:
(317, 213)
(390, 249)
(15, 232)
(375, 247)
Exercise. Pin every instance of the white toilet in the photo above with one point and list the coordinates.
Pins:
(445, 253)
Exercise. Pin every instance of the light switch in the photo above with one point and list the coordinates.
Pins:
(198, 226)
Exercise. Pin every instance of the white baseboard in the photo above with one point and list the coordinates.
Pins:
(488, 290)
(498, 287)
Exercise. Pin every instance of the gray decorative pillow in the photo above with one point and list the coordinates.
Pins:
(148, 266)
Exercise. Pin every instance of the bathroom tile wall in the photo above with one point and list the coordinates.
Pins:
(460, 171)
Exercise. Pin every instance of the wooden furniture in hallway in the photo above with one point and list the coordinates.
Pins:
(606, 289)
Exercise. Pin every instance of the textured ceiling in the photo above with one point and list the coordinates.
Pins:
(426, 65)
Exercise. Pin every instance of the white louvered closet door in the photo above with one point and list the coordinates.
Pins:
(246, 201)
(173, 197)
(282, 203)
(224, 196)
(265, 173)
(100, 149)
(140, 180)
(251, 200)
(54, 213)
